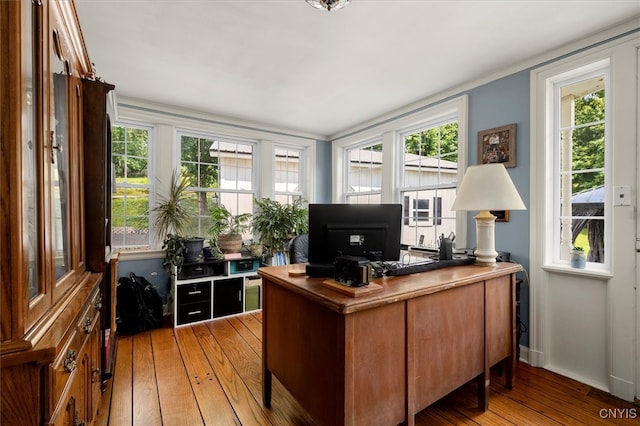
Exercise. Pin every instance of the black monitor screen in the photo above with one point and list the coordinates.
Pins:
(364, 230)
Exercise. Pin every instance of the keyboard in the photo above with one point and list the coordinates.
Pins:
(424, 267)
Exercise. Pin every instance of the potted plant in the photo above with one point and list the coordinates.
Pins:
(276, 223)
(174, 250)
(227, 229)
(171, 218)
(578, 259)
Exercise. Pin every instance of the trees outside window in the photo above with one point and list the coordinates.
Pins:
(130, 200)
(580, 103)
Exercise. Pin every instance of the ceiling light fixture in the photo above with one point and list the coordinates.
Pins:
(328, 5)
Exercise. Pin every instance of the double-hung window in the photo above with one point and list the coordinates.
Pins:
(130, 156)
(220, 171)
(364, 173)
(428, 182)
(288, 176)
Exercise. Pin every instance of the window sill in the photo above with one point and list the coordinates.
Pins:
(140, 255)
(586, 272)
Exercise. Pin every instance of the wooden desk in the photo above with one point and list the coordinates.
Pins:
(381, 358)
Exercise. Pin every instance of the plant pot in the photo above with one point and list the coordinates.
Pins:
(193, 249)
(578, 260)
(230, 243)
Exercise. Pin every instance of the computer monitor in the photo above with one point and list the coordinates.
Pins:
(364, 230)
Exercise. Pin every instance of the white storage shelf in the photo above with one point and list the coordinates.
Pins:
(214, 289)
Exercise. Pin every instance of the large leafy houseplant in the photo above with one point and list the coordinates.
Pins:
(276, 223)
(171, 215)
(226, 229)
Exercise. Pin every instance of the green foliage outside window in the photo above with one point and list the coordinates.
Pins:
(588, 141)
(439, 141)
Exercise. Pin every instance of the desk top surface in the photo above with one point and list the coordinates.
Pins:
(395, 289)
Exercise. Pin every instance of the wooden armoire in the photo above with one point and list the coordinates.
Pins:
(55, 257)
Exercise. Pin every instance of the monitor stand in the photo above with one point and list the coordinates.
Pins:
(320, 270)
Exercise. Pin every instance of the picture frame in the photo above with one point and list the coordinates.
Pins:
(501, 215)
(498, 145)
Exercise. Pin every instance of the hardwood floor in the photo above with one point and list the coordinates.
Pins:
(211, 374)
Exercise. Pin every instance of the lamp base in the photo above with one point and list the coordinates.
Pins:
(485, 238)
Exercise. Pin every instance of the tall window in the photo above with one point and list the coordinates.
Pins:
(220, 172)
(288, 174)
(580, 176)
(130, 199)
(430, 169)
(364, 175)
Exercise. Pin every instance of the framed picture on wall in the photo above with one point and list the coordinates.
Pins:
(498, 145)
(501, 215)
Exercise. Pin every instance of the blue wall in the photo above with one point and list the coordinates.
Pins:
(501, 102)
(151, 269)
(323, 172)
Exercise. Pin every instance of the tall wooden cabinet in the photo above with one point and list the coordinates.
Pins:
(50, 295)
(97, 204)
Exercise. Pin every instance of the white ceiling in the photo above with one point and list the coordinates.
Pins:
(283, 63)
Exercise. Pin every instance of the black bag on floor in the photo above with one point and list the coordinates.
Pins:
(139, 305)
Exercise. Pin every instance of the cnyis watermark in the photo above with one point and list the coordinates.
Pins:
(618, 413)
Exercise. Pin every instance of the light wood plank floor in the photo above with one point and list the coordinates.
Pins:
(211, 373)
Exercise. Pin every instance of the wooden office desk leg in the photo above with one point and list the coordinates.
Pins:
(483, 391)
(266, 386)
(510, 371)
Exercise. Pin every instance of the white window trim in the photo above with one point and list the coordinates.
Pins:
(547, 213)
(266, 154)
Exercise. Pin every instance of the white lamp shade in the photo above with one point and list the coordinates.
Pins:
(487, 187)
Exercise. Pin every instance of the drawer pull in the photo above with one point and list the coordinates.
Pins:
(70, 361)
(87, 325)
(191, 293)
(94, 372)
(98, 303)
(194, 313)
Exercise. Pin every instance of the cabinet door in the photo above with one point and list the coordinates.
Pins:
(72, 407)
(63, 171)
(227, 297)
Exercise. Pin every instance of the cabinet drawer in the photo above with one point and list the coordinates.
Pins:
(201, 269)
(67, 362)
(71, 349)
(194, 312)
(194, 292)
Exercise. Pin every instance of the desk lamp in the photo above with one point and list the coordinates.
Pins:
(487, 187)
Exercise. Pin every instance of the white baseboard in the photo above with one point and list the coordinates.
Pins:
(524, 354)
(621, 388)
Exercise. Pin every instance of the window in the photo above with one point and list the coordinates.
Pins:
(220, 172)
(579, 175)
(130, 199)
(287, 174)
(413, 160)
(429, 179)
(364, 175)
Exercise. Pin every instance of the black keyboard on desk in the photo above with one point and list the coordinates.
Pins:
(424, 267)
